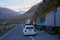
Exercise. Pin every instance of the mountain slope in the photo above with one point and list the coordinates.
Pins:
(22, 17)
(7, 13)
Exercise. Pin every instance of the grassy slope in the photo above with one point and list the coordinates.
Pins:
(51, 5)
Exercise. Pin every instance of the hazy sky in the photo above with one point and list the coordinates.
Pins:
(17, 5)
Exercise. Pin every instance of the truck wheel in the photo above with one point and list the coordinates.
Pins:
(59, 35)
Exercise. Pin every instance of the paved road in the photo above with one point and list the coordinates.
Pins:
(17, 34)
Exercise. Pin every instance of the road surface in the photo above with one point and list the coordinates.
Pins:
(17, 34)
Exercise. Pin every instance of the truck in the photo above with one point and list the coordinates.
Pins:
(52, 22)
(28, 21)
(40, 24)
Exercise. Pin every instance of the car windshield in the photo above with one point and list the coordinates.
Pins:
(29, 27)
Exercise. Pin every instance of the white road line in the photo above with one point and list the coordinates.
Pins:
(32, 38)
(7, 33)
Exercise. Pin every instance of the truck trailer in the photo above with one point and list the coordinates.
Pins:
(52, 21)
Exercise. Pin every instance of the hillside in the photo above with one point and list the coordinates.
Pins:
(38, 11)
(46, 7)
(6, 14)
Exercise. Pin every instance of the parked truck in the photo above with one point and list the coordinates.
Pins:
(52, 22)
(40, 24)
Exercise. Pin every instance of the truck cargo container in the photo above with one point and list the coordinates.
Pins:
(52, 22)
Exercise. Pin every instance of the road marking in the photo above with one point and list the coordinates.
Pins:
(7, 33)
(32, 38)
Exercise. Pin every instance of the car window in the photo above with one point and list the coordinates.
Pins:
(29, 27)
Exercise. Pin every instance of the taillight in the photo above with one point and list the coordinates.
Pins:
(34, 30)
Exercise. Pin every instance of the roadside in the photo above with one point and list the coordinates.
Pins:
(5, 28)
(15, 34)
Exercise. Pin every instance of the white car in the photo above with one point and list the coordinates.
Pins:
(29, 30)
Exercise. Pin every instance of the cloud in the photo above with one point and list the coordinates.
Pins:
(26, 5)
(30, 3)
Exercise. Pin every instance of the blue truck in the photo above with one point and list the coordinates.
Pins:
(40, 24)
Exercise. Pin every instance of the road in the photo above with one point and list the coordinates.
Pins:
(17, 34)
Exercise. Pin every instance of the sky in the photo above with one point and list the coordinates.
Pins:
(18, 5)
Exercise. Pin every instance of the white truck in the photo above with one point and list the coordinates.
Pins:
(28, 21)
(52, 22)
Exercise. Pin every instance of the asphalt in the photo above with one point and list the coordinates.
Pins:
(17, 34)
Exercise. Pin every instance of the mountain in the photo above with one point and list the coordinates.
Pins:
(37, 11)
(29, 13)
(22, 17)
(7, 13)
(33, 8)
(21, 12)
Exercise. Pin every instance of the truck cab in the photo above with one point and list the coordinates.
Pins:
(40, 24)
